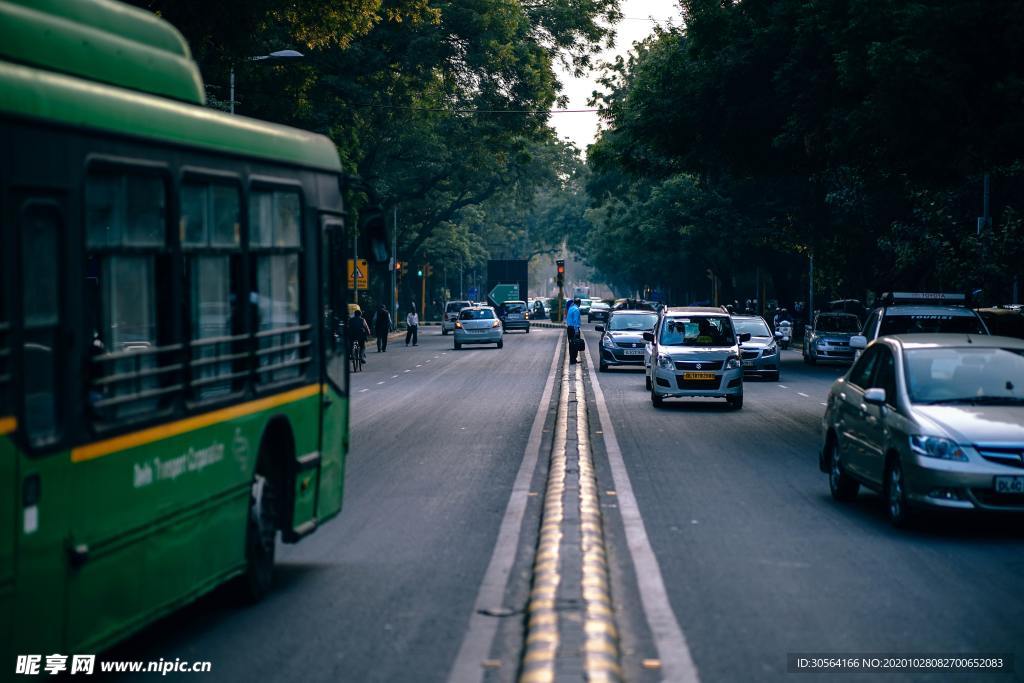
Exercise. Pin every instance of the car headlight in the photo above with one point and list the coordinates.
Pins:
(937, 447)
(666, 363)
(771, 350)
(732, 363)
(608, 343)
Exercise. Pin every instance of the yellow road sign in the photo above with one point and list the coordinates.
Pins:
(358, 274)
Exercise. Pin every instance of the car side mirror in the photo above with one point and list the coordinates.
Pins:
(649, 336)
(858, 341)
(599, 328)
(875, 396)
(744, 337)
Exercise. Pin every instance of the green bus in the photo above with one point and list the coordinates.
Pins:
(173, 375)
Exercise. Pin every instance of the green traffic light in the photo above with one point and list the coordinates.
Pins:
(419, 273)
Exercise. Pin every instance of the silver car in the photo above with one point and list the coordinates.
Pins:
(828, 339)
(696, 352)
(478, 325)
(930, 421)
(760, 355)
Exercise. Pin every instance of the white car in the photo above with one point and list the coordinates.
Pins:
(478, 325)
(695, 352)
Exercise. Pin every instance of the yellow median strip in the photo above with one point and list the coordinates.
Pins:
(601, 645)
(538, 665)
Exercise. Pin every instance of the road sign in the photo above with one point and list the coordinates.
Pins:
(473, 293)
(502, 293)
(358, 274)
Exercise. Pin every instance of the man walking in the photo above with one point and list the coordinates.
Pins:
(572, 328)
(381, 328)
(412, 325)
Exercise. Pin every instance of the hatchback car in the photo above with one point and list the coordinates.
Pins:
(517, 316)
(478, 325)
(598, 311)
(622, 338)
(828, 338)
(696, 352)
(760, 355)
(930, 421)
(451, 314)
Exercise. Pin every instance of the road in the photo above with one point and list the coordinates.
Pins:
(755, 559)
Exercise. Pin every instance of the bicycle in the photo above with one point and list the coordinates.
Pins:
(356, 356)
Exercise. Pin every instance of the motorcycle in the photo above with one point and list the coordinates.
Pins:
(784, 333)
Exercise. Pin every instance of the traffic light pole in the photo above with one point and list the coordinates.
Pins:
(394, 268)
(423, 294)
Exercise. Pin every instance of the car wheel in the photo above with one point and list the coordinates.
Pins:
(735, 402)
(458, 346)
(896, 495)
(656, 400)
(444, 332)
(501, 344)
(842, 486)
(776, 376)
(527, 330)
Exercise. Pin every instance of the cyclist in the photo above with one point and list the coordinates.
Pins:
(359, 331)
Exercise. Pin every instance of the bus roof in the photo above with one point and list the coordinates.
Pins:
(124, 87)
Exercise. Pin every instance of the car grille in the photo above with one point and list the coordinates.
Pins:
(837, 343)
(629, 345)
(699, 365)
(696, 384)
(750, 355)
(1012, 457)
(1007, 500)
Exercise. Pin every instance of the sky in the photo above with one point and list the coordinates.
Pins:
(636, 25)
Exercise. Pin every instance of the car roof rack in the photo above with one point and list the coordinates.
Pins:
(919, 298)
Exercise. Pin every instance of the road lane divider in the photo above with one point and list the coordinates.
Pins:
(601, 644)
(480, 633)
(676, 661)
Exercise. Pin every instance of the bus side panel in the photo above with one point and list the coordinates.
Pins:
(157, 525)
(305, 421)
(332, 453)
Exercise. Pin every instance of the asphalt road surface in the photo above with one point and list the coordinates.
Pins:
(755, 559)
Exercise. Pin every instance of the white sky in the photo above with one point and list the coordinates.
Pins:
(636, 25)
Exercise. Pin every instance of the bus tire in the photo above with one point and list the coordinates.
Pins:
(261, 537)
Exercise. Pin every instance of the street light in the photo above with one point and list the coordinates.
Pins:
(280, 54)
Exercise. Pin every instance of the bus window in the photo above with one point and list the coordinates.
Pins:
(131, 372)
(282, 347)
(211, 242)
(40, 246)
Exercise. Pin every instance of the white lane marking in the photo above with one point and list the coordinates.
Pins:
(676, 660)
(380, 382)
(394, 376)
(426, 361)
(783, 386)
(800, 393)
(362, 390)
(420, 365)
(406, 370)
(480, 633)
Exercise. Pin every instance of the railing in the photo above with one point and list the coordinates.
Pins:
(283, 360)
(138, 375)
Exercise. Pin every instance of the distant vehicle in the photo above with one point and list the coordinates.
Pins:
(451, 314)
(1005, 321)
(585, 306)
(538, 309)
(478, 325)
(598, 311)
(634, 305)
(784, 333)
(517, 316)
(760, 355)
(919, 313)
(853, 306)
(622, 339)
(828, 338)
(696, 352)
(581, 292)
(930, 421)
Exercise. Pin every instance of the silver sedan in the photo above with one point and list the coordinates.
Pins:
(478, 325)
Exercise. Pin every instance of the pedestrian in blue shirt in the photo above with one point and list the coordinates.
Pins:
(572, 328)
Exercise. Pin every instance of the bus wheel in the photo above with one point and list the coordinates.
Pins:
(260, 537)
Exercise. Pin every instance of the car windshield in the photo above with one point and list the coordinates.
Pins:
(930, 323)
(456, 306)
(599, 305)
(965, 375)
(698, 331)
(640, 323)
(756, 328)
(476, 314)
(838, 323)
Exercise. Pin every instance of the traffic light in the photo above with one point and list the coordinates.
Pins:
(430, 270)
(560, 278)
(419, 273)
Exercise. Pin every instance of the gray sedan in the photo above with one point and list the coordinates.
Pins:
(930, 421)
(478, 325)
(760, 355)
(828, 339)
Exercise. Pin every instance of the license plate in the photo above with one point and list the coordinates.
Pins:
(514, 316)
(748, 363)
(633, 352)
(1009, 484)
(699, 375)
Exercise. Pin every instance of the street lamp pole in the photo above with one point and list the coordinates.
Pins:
(280, 54)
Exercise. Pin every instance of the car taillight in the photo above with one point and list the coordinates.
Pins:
(458, 324)
(526, 316)
(496, 323)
